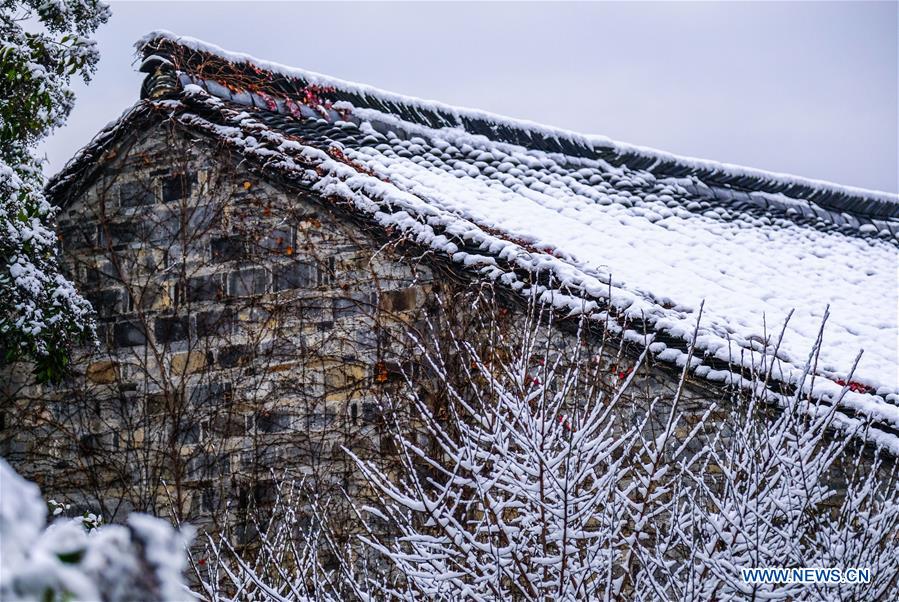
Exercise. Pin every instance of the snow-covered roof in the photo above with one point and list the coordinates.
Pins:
(638, 236)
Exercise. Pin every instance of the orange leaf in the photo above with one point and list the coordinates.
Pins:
(380, 372)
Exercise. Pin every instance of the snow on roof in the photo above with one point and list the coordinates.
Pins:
(635, 234)
(463, 117)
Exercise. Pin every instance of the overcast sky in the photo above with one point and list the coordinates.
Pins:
(807, 88)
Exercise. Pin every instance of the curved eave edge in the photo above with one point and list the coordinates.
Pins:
(66, 184)
(855, 411)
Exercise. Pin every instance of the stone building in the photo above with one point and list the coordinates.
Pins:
(258, 241)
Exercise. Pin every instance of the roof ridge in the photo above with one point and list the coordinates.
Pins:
(530, 134)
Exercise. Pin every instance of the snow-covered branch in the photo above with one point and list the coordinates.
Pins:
(533, 463)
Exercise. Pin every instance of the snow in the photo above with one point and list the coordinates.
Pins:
(460, 114)
(143, 560)
(654, 248)
(41, 295)
(505, 513)
(751, 272)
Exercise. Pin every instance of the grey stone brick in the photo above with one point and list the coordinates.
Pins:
(205, 288)
(104, 274)
(273, 422)
(320, 420)
(247, 282)
(177, 186)
(399, 300)
(230, 425)
(137, 193)
(212, 394)
(107, 302)
(78, 237)
(129, 334)
(208, 466)
(171, 328)
(228, 248)
(370, 411)
(235, 355)
(278, 240)
(294, 275)
(347, 306)
(118, 234)
(216, 322)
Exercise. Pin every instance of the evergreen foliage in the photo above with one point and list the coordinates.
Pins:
(44, 44)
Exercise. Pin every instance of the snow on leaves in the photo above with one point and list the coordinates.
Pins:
(73, 559)
(41, 314)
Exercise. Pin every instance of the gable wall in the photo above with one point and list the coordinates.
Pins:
(232, 318)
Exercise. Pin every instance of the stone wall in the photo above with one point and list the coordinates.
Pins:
(242, 328)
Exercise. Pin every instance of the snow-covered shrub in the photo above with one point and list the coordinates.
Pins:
(511, 489)
(300, 554)
(540, 471)
(141, 560)
(41, 313)
(761, 493)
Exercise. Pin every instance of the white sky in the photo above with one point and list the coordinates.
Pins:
(808, 88)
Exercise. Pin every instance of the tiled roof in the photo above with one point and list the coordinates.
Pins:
(639, 237)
